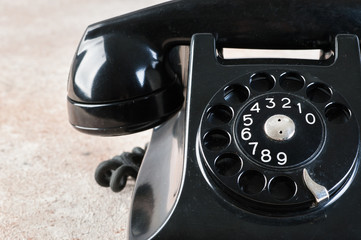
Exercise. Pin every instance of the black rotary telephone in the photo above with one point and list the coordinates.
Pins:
(241, 148)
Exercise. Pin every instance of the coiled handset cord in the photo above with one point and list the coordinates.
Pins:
(114, 172)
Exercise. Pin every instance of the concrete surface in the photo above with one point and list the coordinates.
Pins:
(47, 189)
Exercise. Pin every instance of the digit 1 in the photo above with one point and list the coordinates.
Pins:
(299, 108)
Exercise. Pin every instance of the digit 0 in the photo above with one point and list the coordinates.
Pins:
(310, 118)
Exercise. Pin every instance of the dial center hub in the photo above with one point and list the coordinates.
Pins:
(279, 127)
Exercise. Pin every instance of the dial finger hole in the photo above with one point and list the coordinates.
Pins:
(228, 164)
(262, 82)
(292, 81)
(282, 188)
(216, 140)
(236, 93)
(337, 113)
(252, 182)
(219, 114)
(319, 93)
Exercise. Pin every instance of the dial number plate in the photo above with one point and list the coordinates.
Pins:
(279, 130)
(257, 142)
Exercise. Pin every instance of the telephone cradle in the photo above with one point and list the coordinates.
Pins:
(261, 148)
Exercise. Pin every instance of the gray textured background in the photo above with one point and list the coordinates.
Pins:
(47, 189)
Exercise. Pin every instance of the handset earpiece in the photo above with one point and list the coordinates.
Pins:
(117, 86)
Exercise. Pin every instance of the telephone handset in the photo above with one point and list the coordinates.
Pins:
(260, 148)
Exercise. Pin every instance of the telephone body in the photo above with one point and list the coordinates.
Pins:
(242, 148)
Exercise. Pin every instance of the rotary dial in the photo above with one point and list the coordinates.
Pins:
(279, 140)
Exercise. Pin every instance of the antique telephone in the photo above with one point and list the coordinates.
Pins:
(242, 148)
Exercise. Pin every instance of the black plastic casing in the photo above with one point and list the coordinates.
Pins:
(121, 82)
(187, 203)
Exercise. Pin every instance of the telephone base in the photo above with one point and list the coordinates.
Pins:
(179, 194)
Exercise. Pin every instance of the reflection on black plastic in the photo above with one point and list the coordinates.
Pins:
(142, 209)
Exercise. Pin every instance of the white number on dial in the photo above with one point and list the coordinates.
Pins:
(255, 107)
(246, 134)
(266, 155)
(299, 108)
(310, 118)
(247, 120)
(282, 158)
(255, 144)
(271, 102)
(287, 104)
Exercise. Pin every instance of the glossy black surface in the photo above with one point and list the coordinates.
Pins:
(308, 148)
(126, 77)
(125, 58)
(206, 210)
(159, 180)
(126, 117)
